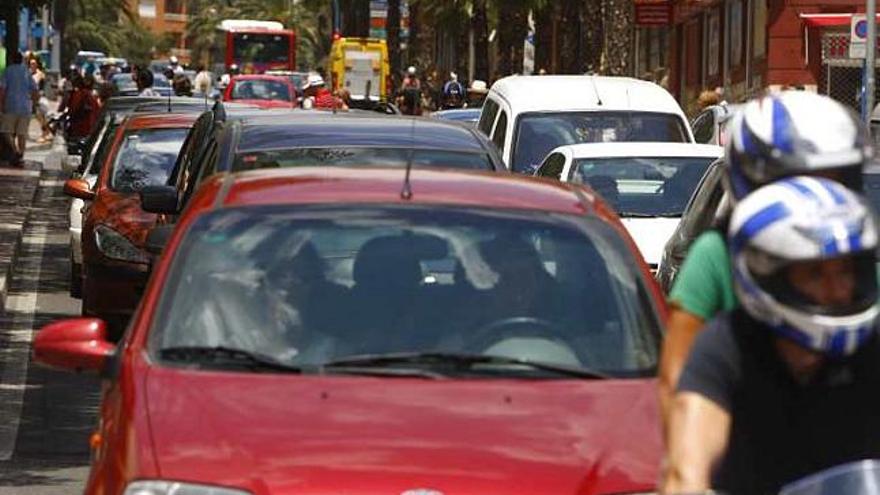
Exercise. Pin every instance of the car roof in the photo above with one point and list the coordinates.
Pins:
(621, 149)
(325, 185)
(579, 93)
(295, 129)
(161, 120)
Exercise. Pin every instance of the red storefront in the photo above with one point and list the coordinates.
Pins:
(743, 46)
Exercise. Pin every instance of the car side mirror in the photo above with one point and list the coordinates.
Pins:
(159, 199)
(158, 238)
(79, 188)
(78, 344)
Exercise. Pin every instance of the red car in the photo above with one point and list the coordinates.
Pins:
(335, 330)
(261, 91)
(115, 264)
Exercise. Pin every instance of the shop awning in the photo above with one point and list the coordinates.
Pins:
(827, 20)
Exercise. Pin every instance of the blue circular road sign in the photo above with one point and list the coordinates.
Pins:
(862, 29)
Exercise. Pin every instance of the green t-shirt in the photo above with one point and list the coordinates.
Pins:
(704, 285)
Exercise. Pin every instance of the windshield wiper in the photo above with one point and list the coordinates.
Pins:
(457, 360)
(220, 356)
(635, 214)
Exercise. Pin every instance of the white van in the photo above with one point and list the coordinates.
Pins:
(529, 116)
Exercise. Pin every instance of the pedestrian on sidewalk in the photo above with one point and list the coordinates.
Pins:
(83, 108)
(41, 109)
(18, 94)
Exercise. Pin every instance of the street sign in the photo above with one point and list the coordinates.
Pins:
(858, 35)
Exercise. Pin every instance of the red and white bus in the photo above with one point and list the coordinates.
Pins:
(254, 46)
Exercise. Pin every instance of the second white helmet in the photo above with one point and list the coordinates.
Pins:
(805, 219)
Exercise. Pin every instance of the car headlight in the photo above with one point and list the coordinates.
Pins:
(115, 245)
(157, 487)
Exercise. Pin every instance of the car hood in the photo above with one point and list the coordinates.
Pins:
(651, 235)
(123, 213)
(275, 434)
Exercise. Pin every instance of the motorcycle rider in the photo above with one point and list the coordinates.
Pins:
(786, 384)
(453, 92)
(772, 137)
(410, 95)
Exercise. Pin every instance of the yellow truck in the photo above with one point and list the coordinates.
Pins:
(360, 65)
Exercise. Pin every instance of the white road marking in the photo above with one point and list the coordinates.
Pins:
(17, 356)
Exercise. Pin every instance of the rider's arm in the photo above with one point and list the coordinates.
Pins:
(701, 290)
(700, 420)
(698, 433)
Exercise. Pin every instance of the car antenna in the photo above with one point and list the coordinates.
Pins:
(169, 102)
(596, 90)
(406, 192)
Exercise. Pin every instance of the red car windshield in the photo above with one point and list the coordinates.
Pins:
(311, 285)
(260, 89)
(145, 158)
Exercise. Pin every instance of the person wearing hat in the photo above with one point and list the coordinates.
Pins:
(315, 93)
(409, 98)
(477, 94)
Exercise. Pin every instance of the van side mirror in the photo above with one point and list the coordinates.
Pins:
(159, 199)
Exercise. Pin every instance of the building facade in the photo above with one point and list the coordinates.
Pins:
(166, 18)
(745, 47)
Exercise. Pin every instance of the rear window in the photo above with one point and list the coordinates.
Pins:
(361, 156)
(145, 158)
(537, 134)
(260, 89)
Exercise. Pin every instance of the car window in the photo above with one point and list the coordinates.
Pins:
(307, 285)
(99, 157)
(487, 117)
(553, 166)
(361, 156)
(260, 89)
(145, 157)
(872, 189)
(703, 207)
(537, 134)
(643, 186)
(704, 127)
(500, 133)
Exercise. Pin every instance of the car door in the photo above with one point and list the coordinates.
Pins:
(552, 166)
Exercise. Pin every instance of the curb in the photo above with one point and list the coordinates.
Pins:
(26, 207)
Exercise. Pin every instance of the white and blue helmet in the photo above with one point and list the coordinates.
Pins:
(794, 133)
(805, 219)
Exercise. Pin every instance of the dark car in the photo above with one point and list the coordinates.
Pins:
(232, 141)
(708, 207)
(123, 84)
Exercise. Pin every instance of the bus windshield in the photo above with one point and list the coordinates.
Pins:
(261, 48)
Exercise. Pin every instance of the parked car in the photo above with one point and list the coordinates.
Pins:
(224, 141)
(262, 91)
(528, 116)
(97, 147)
(467, 115)
(710, 124)
(308, 330)
(647, 184)
(114, 230)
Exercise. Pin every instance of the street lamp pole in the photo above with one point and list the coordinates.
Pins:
(870, 58)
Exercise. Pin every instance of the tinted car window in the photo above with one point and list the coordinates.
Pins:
(260, 89)
(539, 133)
(357, 156)
(704, 127)
(643, 186)
(487, 118)
(553, 166)
(308, 285)
(145, 157)
(500, 131)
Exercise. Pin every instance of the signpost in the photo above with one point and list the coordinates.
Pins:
(858, 35)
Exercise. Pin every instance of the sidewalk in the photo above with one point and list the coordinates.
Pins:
(18, 189)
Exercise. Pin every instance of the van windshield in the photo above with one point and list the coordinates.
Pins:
(539, 133)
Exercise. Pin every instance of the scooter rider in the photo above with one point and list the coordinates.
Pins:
(453, 92)
(785, 385)
(772, 137)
